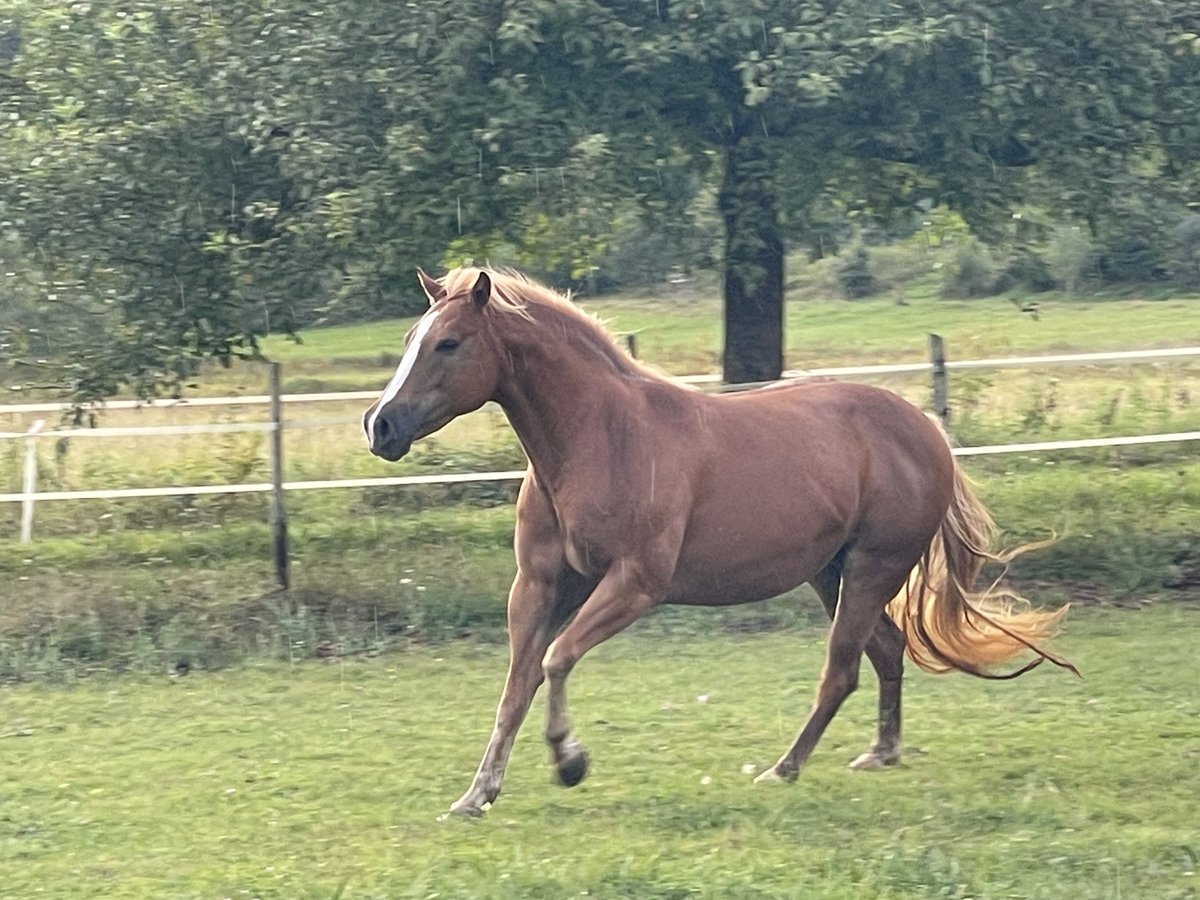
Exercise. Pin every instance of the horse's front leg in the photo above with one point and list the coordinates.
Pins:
(625, 594)
(535, 612)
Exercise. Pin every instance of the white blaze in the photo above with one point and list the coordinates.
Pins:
(402, 371)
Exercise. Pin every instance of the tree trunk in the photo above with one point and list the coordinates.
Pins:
(753, 265)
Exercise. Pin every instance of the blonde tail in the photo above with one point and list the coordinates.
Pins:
(949, 625)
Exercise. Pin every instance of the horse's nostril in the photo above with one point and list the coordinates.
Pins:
(382, 429)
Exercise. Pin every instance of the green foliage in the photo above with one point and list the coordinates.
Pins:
(1025, 270)
(1069, 256)
(1133, 239)
(182, 179)
(972, 272)
(854, 274)
(1185, 252)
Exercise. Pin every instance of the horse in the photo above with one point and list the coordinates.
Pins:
(640, 491)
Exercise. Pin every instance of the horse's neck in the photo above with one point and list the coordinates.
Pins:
(562, 408)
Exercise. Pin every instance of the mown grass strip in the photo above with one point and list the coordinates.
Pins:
(303, 781)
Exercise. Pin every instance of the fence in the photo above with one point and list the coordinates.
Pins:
(938, 367)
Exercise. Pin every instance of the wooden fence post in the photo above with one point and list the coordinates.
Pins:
(278, 510)
(30, 485)
(941, 389)
(631, 344)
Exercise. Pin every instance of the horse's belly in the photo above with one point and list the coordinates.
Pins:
(739, 573)
(713, 592)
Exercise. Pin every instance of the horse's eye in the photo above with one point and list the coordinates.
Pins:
(448, 345)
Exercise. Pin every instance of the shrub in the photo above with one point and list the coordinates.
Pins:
(1133, 240)
(1185, 252)
(1025, 270)
(638, 255)
(854, 274)
(899, 265)
(972, 274)
(1068, 256)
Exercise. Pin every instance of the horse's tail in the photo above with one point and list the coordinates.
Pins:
(950, 625)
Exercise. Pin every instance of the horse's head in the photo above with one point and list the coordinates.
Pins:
(450, 366)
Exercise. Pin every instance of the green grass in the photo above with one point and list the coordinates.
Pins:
(324, 780)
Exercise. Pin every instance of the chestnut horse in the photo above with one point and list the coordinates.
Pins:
(641, 491)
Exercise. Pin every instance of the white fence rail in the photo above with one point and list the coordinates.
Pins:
(262, 488)
(517, 474)
(30, 495)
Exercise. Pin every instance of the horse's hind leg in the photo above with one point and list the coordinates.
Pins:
(885, 650)
(858, 624)
(627, 591)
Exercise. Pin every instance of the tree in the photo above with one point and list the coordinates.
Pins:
(971, 104)
(132, 172)
(192, 175)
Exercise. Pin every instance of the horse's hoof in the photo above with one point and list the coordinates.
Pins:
(461, 810)
(872, 760)
(572, 769)
(774, 776)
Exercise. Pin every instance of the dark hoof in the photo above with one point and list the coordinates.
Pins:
(573, 769)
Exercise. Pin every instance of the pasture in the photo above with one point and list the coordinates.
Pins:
(326, 779)
(268, 772)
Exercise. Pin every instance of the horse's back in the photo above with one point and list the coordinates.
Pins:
(824, 426)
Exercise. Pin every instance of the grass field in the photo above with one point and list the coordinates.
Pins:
(327, 779)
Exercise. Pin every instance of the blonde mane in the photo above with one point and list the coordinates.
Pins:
(511, 290)
(516, 294)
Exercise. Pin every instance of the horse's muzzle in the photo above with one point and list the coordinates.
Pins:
(393, 434)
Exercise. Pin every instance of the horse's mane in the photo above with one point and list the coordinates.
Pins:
(516, 294)
(512, 291)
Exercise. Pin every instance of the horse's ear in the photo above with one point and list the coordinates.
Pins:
(432, 289)
(481, 293)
